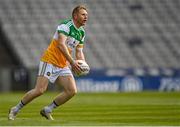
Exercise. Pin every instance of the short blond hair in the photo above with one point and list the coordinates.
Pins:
(77, 8)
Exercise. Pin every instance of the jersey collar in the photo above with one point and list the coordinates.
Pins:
(75, 25)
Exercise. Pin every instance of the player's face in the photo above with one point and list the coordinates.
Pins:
(82, 17)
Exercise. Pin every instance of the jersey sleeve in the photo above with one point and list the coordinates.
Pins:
(81, 43)
(63, 28)
(82, 40)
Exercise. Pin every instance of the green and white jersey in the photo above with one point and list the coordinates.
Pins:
(75, 35)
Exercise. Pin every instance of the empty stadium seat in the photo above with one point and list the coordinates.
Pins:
(112, 25)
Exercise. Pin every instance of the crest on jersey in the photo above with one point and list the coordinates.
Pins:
(48, 73)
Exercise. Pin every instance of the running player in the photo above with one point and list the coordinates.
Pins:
(54, 63)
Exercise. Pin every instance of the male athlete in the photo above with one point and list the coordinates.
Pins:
(54, 63)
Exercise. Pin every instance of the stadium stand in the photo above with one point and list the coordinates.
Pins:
(120, 33)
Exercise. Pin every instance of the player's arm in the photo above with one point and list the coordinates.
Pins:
(79, 53)
(63, 48)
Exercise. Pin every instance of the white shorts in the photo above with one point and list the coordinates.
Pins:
(52, 72)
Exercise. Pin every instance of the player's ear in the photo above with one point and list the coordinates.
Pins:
(75, 16)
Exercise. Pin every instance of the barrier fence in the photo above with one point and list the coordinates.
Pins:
(102, 80)
(128, 80)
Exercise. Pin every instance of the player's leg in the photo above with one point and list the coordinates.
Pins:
(70, 90)
(40, 88)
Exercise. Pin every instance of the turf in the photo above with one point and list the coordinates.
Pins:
(99, 109)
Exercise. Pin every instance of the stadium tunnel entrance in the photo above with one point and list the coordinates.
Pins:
(14, 76)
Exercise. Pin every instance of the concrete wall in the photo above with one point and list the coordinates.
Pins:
(5, 79)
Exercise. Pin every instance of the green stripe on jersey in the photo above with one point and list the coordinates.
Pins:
(61, 31)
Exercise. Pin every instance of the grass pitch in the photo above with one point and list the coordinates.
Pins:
(98, 109)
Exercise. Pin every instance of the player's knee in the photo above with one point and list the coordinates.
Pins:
(72, 92)
(40, 91)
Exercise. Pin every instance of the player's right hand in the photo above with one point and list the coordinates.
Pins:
(76, 67)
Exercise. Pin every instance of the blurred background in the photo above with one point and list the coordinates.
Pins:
(131, 45)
